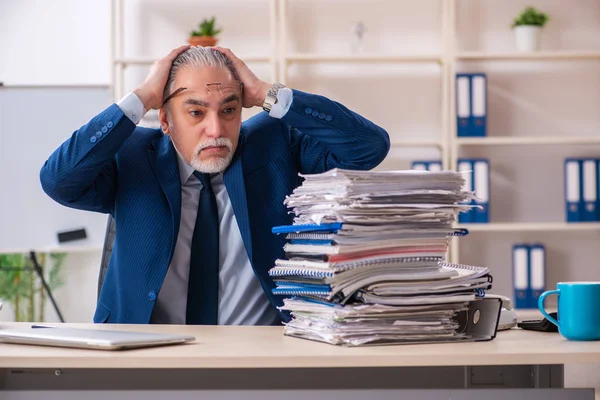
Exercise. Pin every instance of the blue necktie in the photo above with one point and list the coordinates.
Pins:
(203, 284)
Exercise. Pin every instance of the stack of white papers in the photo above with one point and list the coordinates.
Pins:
(363, 324)
(365, 258)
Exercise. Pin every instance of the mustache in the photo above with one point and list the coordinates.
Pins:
(213, 143)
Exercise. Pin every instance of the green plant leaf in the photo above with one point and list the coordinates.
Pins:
(206, 28)
(532, 17)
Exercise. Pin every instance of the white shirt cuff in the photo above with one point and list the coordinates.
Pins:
(284, 101)
(132, 106)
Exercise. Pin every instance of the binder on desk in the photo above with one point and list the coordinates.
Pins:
(589, 189)
(463, 105)
(537, 273)
(520, 261)
(478, 104)
(481, 178)
(466, 168)
(573, 198)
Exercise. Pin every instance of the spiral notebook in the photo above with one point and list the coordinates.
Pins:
(406, 280)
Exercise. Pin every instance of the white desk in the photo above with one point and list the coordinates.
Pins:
(263, 359)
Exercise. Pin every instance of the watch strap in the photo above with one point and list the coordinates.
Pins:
(271, 97)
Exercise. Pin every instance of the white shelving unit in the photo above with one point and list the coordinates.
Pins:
(456, 143)
(541, 55)
(281, 59)
(531, 227)
(120, 62)
(515, 140)
(363, 58)
(287, 58)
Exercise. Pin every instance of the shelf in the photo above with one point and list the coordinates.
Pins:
(541, 55)
(416, 143)
(531, 227)
(56, 249)
(358, 58)
(150, 60)
(507, 140)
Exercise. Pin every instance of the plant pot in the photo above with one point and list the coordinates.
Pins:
(203, 41)
(528, 37)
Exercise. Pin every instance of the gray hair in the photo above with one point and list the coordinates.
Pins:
(198, 57)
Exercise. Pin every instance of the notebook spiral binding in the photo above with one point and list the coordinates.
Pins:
(328, 235)
(291, 270)
(304, 292)
(309, 236)
(462, 266)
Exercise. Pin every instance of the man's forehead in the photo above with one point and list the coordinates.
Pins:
(199, 78)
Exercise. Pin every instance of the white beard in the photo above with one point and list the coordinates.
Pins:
(215, 164)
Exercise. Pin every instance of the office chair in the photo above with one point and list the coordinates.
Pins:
(109, 239)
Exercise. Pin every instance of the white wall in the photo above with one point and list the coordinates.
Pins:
(54, 42)
(67, 42)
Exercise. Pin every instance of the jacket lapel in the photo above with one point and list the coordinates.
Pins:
(163, 161)
(235, 184)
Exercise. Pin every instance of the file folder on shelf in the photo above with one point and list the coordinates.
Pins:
(419, 165)
(434, 166)
(597, 189)
(589, 192)
(537, 273)
(573, 183)
(466, 168)
(481, 178)
(478, 104)
(423, 165)
(463, 105)
(520, 261)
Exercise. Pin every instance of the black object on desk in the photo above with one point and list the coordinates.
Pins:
(541, 325)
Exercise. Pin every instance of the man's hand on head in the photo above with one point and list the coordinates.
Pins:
(255, 90)
(150, 92)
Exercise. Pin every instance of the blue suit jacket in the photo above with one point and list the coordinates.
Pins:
(111, 166)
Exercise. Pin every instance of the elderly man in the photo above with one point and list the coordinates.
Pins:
(195, 201)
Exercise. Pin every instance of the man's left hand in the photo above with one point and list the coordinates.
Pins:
(255, 90)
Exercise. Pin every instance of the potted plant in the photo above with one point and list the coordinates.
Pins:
(528, 27)
(21, 288)
(205, 35)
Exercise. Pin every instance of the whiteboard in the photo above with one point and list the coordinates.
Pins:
(34, 122)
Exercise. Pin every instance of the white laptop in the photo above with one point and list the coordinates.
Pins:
(90, 338)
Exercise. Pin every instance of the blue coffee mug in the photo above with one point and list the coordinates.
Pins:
(578, 310)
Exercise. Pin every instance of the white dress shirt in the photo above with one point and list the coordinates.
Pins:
(241, 297)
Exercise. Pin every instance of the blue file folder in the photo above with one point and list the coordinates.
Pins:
(463, 105)
(537, 273)
(521, 279)
(466, 168)
(479, 104)
(589, 190)
(573, 192)
(426, 165)
(597, 189)
(434, 166)
(419, 165)
(481, 184)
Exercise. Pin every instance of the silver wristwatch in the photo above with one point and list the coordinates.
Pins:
(272, 96)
